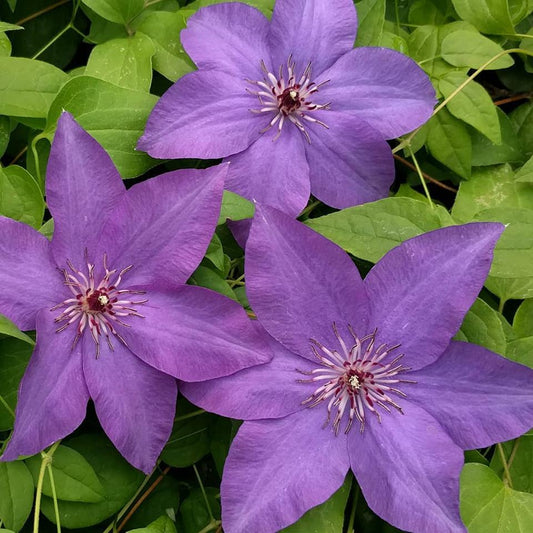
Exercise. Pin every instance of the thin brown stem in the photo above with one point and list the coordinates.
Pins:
(426, 176)
(41, 12)
(19, 155)
(515, 98)
(145, 495)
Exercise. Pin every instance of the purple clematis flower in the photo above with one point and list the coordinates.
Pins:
(290, 103)
(365, 376)
(114, 320)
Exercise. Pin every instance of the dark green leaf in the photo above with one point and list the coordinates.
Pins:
(522, 119)
(194, 515)
(523, 319)
(520, 467)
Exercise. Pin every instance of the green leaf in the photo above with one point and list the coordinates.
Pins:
(521, 351)
(20, 196)
(394, 42)
(118, 479)
(371, 17)
(522, 119)
(162, 525)
(520, 467)
(114, 116)
(124, 62)
(215, 252)
(164, 29)
(489, 505)
(6, 26)
(235, 207)
(28, 86)
(424, 48)
(8, 328)
(370, 230)
(485, 152)
(508, 289)
(14, 356)
(488, 16)
(525, 174)
(488, 188)
(118, 11)
(265, 6)
(449, 142)
(523, 319)
(328, 516)
(5, 133)
(466, 48)
(16, 494)
(206, 277)
(472, 105)
(426, 12)
(74, 478)
(483, 326)
(194, 515)
(5, 45)
(188, 442)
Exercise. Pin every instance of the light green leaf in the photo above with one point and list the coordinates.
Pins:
(472, 105)
(164, 29)
(328, 516)
(521, 351)
(206, 277)
(8, 328)
(266, 6)
(466, 48)
(370, 230)
(118, 478)
(523, 319)
(235, 207)
(485, 152)
(74, 478)
(488, 188)
(6, 26)
(124, 62)
(489, 505)
(483, 326)
(449, 142)
(5, 45)
(488, 16)
(371, 16)
(114, 116)
(394, 42)
(14, 356)
(215, 252)
(162, 525)
(28, 86)
(509, 289)
(20, 196)
(424, 48)
(525, 174)
(118, 11)
(16, 494)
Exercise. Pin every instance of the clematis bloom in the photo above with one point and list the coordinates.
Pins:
(115, 321)
(365, 376)
(290, 103)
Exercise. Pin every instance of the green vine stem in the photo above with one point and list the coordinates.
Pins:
(46, 460)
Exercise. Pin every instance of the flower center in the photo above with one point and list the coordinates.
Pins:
(288, 98)
(358, 379)
(97, 306)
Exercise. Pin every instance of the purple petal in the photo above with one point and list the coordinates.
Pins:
(276, 470)
(228, 37)
(312, 31)
(163, 226)
(349, 163)
(53, 396)
(205, 114)
(273, 172)
(134, 402)
(421, 290)
(478, 396)
(195, 334)
(300, 284)
(28, 275)
(408, 470)
(384, 88)
(272, 390)
(82, 189)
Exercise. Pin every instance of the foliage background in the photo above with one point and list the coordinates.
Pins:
(107, 62)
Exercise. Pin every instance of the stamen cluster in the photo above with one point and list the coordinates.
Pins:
(100, 307)
(288, 98)
(358, 378)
